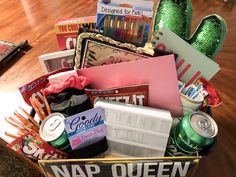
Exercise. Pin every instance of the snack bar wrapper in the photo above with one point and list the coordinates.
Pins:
(132, 94)
(36, 85)
(32, 146)
(213, 98)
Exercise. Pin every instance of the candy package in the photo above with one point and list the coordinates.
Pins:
(132, 94)
(32, 146)
(212, 98)
(85, 128)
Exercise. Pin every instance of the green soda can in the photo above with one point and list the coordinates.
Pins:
(209, 35)
(174, 15)
(194, 132)
(52, 130)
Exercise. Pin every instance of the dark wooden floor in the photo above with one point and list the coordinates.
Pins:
(34, 20)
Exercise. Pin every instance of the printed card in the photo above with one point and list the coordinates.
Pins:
(190, 64)
(158, 72)
(57, 60)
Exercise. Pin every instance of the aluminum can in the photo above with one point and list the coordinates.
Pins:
(194, 132)
(52, 130)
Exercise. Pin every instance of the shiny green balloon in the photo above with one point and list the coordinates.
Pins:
(209, 35)
(176, 16)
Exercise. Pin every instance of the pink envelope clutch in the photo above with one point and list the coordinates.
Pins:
(158, 72)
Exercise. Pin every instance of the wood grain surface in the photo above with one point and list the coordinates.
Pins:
(34, 20)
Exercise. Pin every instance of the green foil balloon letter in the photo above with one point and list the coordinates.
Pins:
(176, 16)
(209, 36)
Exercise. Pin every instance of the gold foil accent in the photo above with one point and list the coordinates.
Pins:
(149, 49)
(111, 158)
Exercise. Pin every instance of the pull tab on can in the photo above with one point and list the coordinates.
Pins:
(54, 125)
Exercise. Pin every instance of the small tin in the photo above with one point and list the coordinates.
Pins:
(194, 132)
(52, 130)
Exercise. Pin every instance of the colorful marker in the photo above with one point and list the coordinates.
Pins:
(118, 27)
(112, 26)
(106, 24)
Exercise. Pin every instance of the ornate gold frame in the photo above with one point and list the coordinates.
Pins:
(96, 36)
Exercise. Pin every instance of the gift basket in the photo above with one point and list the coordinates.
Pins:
(136, 101)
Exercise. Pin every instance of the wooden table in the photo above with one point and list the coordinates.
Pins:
(34, 20)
